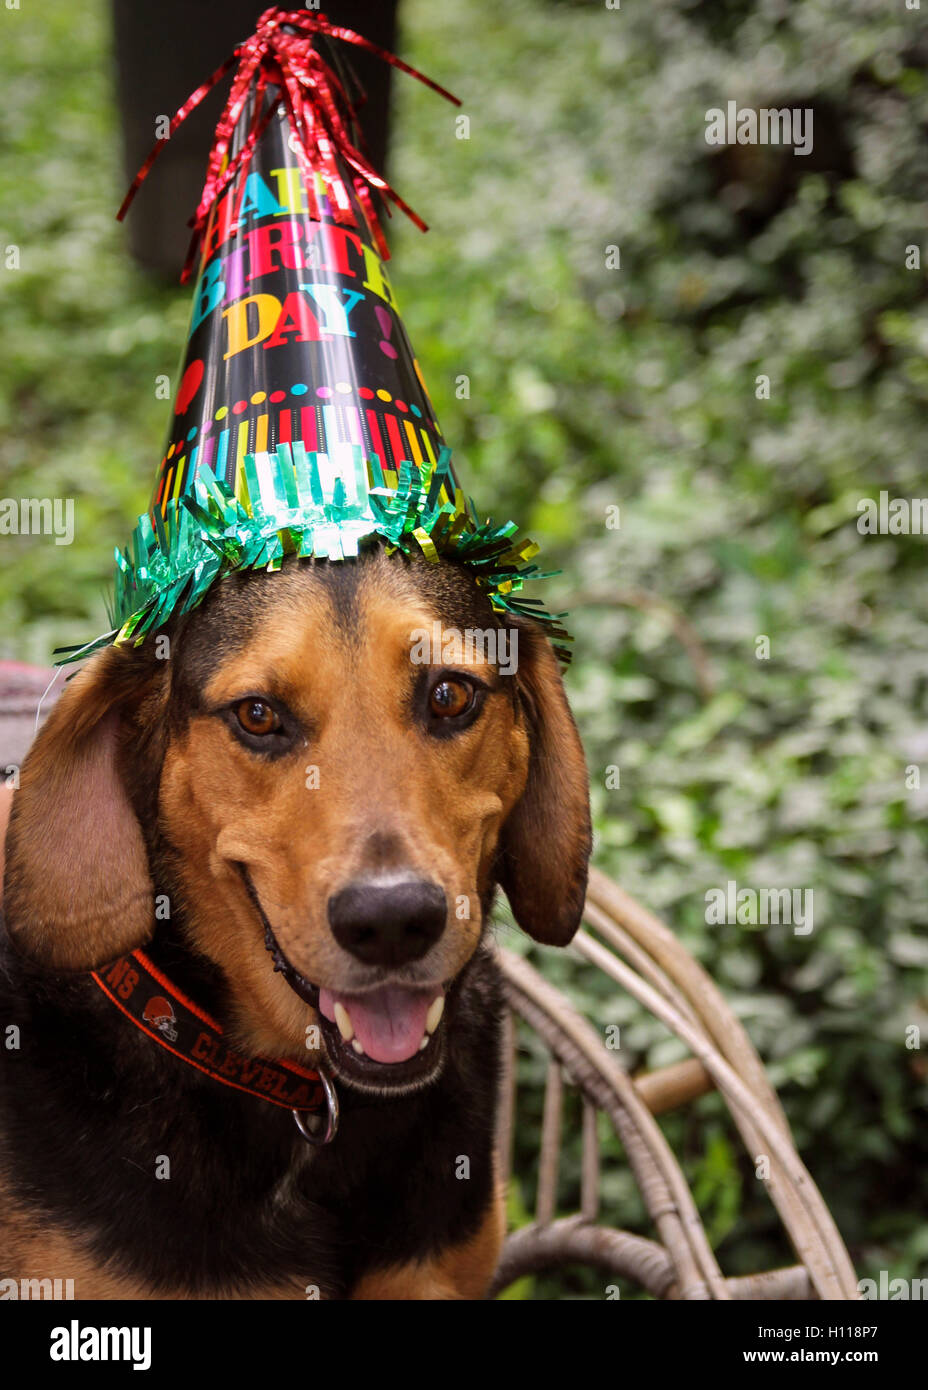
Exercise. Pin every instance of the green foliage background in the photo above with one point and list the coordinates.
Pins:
(631, 387)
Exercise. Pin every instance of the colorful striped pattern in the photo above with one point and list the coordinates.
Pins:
(329, 428)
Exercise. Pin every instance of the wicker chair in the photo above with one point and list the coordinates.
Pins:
(641, 955)
(636, 950)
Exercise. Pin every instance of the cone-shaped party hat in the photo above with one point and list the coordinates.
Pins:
(302, 424)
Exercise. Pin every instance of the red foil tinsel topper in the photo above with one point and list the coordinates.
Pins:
(281, 54)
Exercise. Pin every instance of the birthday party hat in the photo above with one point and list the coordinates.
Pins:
(301, 424)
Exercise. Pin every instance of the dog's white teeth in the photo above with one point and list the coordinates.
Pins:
(357, 1047)
(344, 1023)
(424, 1043)
(433, 1017)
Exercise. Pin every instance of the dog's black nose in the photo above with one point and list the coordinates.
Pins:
(388, 923)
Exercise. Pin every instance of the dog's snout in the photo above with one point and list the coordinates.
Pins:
(388, 923)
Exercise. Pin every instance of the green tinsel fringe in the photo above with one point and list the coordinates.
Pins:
(299, 503)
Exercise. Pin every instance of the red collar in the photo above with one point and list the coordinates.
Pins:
(138, 988)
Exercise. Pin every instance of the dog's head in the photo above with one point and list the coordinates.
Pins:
(348, 755)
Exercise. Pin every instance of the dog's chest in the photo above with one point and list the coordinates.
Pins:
(145, 1180)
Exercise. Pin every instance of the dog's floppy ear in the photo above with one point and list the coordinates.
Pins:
(545, 841)
(77, 887)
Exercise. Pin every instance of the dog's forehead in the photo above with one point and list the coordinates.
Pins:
(321, 616)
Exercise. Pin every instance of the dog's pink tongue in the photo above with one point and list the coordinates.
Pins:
(390, 1022)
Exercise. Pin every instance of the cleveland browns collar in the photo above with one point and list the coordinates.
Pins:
(162, 1011)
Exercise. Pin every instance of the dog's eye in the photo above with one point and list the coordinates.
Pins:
(449, 699)
(257, 718)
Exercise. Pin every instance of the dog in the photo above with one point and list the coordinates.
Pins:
(273, 770)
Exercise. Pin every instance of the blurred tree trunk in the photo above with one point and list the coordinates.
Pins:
(163, 52)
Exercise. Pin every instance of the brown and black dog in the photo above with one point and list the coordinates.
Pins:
(281, 767)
